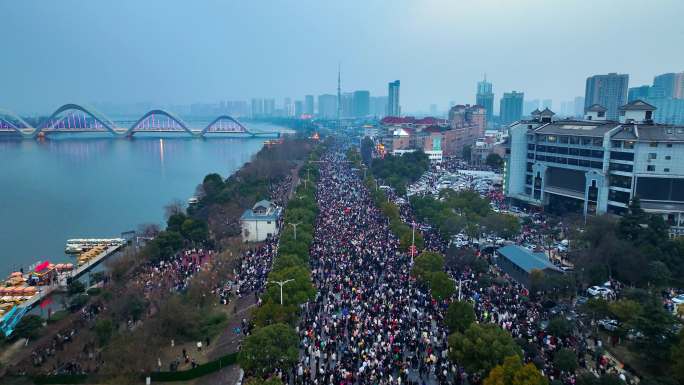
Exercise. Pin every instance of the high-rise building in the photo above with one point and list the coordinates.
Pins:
(639, 93)
(609, 91)
(579, 106)
(298, 108)
(511, 107)
(531, 105)
(378, 106)
(393, 107)
(670, 85)
(347, 108)
(433, 110)
(269, 107)
(309, 104)
(361, 103)
(547, 103)
(257, 107)
(288, 108)
(485, 97)
(327, 106)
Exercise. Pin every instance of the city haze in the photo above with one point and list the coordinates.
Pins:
(172, 52)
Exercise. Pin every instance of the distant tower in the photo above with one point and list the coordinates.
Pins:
(339, 94)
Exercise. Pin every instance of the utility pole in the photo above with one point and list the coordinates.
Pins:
(295, 228)
(281, 284)
(460, 285)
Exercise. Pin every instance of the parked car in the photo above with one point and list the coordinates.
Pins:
(608, 324)
(596, 291)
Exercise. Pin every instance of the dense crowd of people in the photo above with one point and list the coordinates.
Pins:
(173, 273)
(369, 322)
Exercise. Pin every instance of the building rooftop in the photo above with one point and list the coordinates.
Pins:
(526, 259)
(637, 105)
(596, 108)
(577, 127)
(263, 210)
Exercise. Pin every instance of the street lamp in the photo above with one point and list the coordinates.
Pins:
(295, 228)
(460, 285)
(281, 284)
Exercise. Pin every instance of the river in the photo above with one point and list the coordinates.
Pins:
(63, 188)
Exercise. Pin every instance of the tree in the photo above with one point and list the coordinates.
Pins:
(459, 316)
(269, 348)
(441, 286)
(560, 327)
(75, 287)
(625, 309)
(29, 327)
(367, 150)
(658, 274)
(481, 347)
(503, 225)
(677, 359)
(426, 264)
(565, 360)
(494, 160)
(513, 372)
(104, 329)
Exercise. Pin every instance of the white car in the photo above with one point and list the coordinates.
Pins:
(608, 324)
(678, 300)
(596, 291)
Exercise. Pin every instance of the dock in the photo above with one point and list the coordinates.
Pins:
(10, 320)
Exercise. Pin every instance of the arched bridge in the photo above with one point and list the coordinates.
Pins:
(74, 118)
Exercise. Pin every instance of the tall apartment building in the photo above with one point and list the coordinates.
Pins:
(309, 105)
(666, 94)
(485, 97)
(609, 91)
(596, 165)
(361, 107)
(327, 106)
(393, 106)
(467, 123)
(511, 106)
(378, 106)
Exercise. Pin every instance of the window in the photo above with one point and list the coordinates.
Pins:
(649, 115)
(616, 143)
(669, 145)
(574, 140)
(586, 141)
(597, 142)
(601, 114)
(652, 156)
(653, 144)
(563, 140)
(628, 145)
(668, 157)
(650, 168)
(551, 138)
(618, 155)
(666, 170)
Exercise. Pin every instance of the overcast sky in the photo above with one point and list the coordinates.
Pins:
(176, 52)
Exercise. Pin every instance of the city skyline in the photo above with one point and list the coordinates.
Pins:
(234, 67)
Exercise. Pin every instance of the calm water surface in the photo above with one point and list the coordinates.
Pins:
(58, 189)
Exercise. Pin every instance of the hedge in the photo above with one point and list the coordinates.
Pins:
(184, 375)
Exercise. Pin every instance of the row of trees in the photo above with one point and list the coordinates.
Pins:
(400, 171)
(274, 342)
(464, 211)
(221, 199)
(635, 250)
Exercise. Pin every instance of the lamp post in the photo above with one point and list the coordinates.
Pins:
(281, 284)
(460, 285)
(294, 225)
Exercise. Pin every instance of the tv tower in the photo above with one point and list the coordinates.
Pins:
(339, 94)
